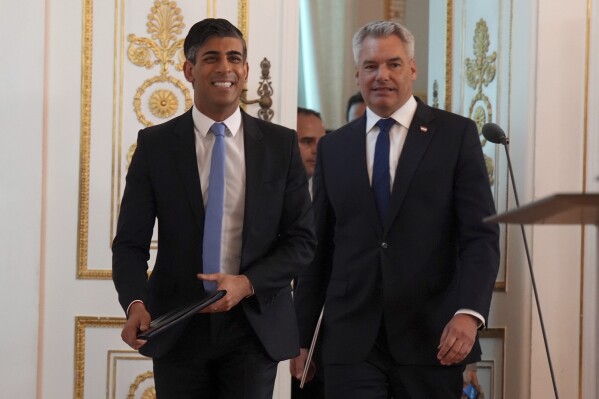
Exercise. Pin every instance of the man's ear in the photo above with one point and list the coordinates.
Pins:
(187, 67)
(413, 68)
(247, 71)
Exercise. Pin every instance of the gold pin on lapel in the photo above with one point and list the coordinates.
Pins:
(423, 129)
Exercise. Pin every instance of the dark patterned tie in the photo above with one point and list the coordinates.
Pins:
(213, 222)
(381, 178)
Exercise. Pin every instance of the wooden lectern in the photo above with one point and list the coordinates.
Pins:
(555, 209)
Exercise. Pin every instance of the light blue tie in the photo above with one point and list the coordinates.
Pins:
(213, 222)
(381, 177)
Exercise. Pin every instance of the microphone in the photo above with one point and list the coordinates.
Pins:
(495, 134)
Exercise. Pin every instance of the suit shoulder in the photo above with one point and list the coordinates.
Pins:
(450, 117)
(167, 127)
(268, 127)
(341, 134)
(268, 132)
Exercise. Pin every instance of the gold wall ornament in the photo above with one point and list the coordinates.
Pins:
(163, 48)
(81, 324)
(435, 94)
(148, 393)
(163, 103)
(130, 153)
(480, 72)
(395, 10)
(137, 99)
(265, 92)
(165, 22)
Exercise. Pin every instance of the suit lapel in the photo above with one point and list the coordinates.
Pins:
(187, 165)
(419, 137)
(254, 161)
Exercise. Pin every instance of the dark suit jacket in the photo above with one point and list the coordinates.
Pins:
(432, 257)
(163, 183)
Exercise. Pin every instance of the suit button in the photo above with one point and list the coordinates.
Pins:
(384, 245)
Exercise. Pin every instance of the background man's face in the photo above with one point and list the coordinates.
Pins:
(309, 130)
(355, 111)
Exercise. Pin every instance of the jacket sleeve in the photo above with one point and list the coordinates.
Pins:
(131, 245)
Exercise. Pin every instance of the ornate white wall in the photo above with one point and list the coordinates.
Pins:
(22, 133)
(553, 63)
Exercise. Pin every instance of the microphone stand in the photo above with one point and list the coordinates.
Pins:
(506, 143)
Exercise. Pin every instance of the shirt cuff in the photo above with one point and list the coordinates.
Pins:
(470, 312)
(253, 292)
(129, 307)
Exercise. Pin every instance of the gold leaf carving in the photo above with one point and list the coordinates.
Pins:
(149, 82)
(130, 153)
(149, 393)
(163, 103)
(480, 72)
(165, 22)
(164, 48)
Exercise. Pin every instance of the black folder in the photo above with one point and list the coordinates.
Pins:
(178, 315)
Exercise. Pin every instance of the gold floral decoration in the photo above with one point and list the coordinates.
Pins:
(479, 117)
(490, 169)
(165, 22)
(480, 72)
(435, 94)
(163, 103)
(149, 393)
(130, 153)
(164, 48)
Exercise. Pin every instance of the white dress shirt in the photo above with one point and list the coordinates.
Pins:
(234, 206)
(397, 135)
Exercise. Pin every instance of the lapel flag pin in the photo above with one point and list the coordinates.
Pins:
(423, 129)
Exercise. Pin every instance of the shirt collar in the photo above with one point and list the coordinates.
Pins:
(403, 115)
(203, 123)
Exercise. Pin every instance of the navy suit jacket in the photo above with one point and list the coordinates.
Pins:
(431, 257)
(163, 184)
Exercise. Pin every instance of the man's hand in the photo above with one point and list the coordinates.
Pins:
(138, 320)
(457, 339)
(237, 287)
(296, 366)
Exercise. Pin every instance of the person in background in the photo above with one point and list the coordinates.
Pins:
(230, 195)
(404, 267)
(355, 107)
(310, 129)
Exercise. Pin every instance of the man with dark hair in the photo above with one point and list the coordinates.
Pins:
(310, 130)
(355, 107)
(230, 195)
(404, 267)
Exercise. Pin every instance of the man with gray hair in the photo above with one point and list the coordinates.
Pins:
(405, 267)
